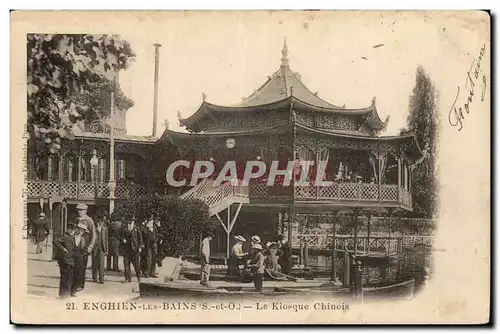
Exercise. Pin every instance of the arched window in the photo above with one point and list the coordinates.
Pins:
(391, 174)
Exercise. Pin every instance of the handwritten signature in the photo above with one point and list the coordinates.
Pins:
(456, 115)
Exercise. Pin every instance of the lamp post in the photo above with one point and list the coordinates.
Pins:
(94, 127)
(93, 164)
(112, 183)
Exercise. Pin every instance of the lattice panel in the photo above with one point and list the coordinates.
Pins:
(258, 190)
(349, 191)
(329, 192)
(369, 192)
(235, 122)
(102, 190)
(69, 189)
(388, 192)
(305, 119)
(306, 191)
(87, 190)
(42, 189)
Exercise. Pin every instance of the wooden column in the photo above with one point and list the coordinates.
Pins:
(291, 219)
(60, 174)
(333, 278)
(79, 176)
(228, 252)
(399, 179)
(369, 216)
(355, 220)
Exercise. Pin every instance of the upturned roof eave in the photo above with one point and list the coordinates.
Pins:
(200, 112)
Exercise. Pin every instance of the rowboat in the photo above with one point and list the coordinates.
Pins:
(195, 276)
(402, 290)
(147, 289)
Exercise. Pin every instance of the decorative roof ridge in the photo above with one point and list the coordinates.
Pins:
(306, 127)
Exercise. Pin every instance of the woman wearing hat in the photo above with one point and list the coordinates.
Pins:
(237, 255)
(257, 265)
(272, 260)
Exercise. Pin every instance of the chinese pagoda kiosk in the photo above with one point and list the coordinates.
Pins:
(284, 121)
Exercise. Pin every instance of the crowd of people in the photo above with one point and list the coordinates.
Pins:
(103, 241)
(275, 259)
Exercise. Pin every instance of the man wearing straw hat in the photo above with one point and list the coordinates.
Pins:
(237, 255)
(89, 236)
(257, 266)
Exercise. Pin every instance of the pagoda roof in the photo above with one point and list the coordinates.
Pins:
(281, 89)
(174, 137)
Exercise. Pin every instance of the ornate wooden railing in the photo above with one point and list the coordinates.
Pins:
(84, 190)
(218, 197)
(383, 244)
(336, 191)
(389, 246)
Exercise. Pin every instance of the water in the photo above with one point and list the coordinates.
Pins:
(408, 266)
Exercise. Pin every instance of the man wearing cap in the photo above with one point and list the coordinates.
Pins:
(132, 247)
(114, 230)
(89, 236)
(100, 250)
(257, 265)
(237, 255)
(205, 258)
(64, 249)
(41, 229)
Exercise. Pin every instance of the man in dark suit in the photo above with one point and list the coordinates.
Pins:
(41, 229)
(150, 238)
(89, 237)
(68, 253)
(114, 231)
(132, 247)
(64, 246)
(100, 250)
(286, 259)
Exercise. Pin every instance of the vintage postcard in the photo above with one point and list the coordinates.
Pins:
(253, 167)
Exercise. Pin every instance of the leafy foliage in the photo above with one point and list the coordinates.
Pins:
(182, 221)
(68, 80)
(423, 121)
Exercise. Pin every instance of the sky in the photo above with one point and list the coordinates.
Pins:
(229, 55)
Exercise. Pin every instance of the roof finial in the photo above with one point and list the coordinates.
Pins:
(204, 96)
(284, 52)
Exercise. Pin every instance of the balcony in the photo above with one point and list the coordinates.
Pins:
(355, 192)
(85, 190)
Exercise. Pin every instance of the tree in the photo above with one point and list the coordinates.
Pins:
(423, 121)
(63, 72)
(182, 220)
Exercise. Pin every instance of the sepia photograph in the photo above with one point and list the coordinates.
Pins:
(250, 167)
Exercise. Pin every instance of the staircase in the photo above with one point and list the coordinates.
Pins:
(217, 198)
